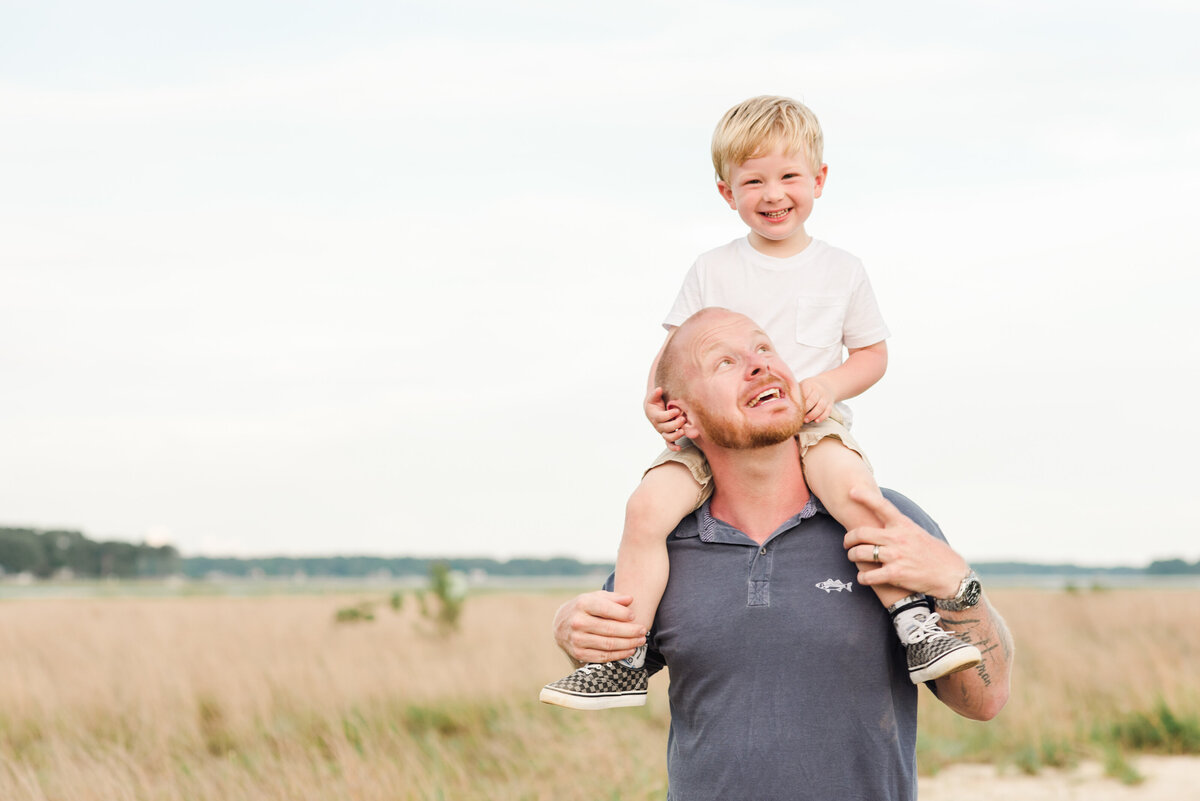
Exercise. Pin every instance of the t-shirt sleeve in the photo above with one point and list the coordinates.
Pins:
(864, 323)
(689, 300)
(914, 512)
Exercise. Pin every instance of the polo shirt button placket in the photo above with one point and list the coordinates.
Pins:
(760, 579)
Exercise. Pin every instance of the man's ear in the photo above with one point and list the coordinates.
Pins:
(690, 429)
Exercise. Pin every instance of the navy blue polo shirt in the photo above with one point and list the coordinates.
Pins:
(787, 679)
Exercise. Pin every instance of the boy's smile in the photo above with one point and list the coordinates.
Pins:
(774, 194)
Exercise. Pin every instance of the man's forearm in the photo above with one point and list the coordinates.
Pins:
(980, 692)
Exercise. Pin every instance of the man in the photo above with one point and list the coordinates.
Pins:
(785, 680)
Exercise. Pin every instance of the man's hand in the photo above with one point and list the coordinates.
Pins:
(597, 627)
(818, 399)
(668, 422)
(909, 556)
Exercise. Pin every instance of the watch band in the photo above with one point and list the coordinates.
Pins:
(969, 592)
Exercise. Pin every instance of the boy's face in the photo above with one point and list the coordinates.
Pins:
(774, 194)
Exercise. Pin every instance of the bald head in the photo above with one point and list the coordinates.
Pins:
(721, 370)
(673, 365)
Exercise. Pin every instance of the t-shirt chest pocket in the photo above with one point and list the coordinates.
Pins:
(819, 321)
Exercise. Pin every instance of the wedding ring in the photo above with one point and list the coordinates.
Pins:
(875, 554)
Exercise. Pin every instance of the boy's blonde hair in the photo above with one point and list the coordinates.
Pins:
(756, 126)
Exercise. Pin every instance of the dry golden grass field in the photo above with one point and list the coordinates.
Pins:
(220, 699)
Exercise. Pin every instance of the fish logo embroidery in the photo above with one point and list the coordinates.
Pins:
(833, 584)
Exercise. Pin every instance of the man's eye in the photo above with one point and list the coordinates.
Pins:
(764, 348)
(724, 363)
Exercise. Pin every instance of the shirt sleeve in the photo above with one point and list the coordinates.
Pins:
(689, 300)
(864, 323)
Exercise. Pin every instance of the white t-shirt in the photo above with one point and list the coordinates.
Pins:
(812, 305)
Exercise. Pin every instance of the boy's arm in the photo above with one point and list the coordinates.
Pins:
(861, 370)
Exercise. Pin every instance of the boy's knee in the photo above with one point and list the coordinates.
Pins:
(668, 490)
(668, 476)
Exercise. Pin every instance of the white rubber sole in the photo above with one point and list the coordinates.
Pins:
(559, 698)
(956, 660)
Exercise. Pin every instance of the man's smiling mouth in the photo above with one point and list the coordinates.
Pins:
(765, 396)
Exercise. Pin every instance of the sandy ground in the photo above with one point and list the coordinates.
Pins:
(1168, 778)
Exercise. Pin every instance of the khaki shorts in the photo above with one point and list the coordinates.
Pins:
(693, 459)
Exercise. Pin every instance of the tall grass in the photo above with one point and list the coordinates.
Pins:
(1097, 674)
(270, 698)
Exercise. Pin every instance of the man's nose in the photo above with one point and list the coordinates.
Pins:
(757, 364)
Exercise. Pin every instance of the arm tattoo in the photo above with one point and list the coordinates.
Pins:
(965, 628)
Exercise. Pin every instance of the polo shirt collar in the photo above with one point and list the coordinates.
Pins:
(710, 529)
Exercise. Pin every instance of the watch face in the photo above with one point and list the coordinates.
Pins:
(971, 591)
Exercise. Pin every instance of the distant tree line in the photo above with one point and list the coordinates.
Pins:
(1031, 569)
(48, 553)
(355, 566)
(1173, 567)
(1166, 567)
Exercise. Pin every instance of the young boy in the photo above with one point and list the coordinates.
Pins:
(812, 300)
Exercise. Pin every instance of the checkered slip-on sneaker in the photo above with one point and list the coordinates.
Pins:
(934, 652)
(598, 686)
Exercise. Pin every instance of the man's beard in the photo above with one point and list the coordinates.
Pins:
(739, 435)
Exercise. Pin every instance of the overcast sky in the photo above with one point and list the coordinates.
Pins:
(380, 277)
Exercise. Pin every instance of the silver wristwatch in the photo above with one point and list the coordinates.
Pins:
(967, 596)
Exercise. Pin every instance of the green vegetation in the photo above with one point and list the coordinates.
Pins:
(363, 611)
(1173, 567)
(357, 566)
(45, 554)
(254, 698)
(59, 553)
(1158, 731)
(449, 587)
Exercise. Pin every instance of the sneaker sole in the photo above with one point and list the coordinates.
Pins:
(570, 701)
(953, 662)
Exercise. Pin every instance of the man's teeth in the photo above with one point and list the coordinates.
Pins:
(770, 394)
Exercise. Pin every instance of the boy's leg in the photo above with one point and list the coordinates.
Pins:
(832, 469)
(666, 494)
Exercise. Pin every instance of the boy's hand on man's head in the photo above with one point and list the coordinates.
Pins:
(818, 400)
(667, 422)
